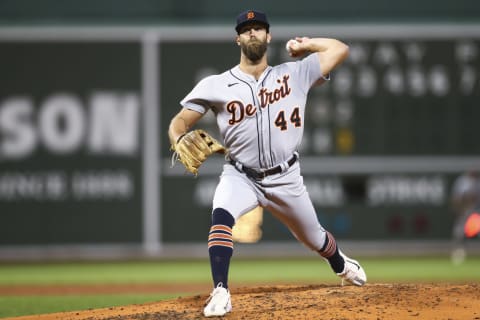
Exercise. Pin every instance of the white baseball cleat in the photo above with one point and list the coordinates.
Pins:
(352, 272)
(219, 303)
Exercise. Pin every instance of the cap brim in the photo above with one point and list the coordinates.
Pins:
(243, 24)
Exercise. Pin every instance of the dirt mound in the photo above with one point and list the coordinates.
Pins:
(326, 302)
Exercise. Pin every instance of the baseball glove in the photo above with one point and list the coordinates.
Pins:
(194, 147)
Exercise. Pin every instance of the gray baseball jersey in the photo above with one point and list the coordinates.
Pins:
(261, 122)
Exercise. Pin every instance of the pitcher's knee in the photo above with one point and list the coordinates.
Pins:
(222, 217)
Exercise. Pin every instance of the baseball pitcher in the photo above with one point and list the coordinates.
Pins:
(260, 114)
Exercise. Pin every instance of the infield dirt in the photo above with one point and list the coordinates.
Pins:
(327, 302)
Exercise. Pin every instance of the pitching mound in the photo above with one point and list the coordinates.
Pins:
(374, 301)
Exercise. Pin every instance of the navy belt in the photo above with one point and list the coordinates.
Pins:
(261, 174)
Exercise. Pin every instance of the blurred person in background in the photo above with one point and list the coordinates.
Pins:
(465, 198)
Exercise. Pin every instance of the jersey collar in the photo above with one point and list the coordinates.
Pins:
(237, 72)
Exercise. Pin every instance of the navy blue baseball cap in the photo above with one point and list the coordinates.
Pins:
(251, 16)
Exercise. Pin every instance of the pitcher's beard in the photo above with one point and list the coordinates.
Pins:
(254, 50)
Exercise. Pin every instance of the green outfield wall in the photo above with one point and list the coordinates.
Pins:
(220, 11)
(84, 111)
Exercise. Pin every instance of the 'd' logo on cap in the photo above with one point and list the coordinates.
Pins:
(250, 15)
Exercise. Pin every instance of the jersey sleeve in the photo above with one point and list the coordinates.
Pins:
(198, 98)
(309, 71)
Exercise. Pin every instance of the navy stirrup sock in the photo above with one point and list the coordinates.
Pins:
(330, 252)
(220, 246)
